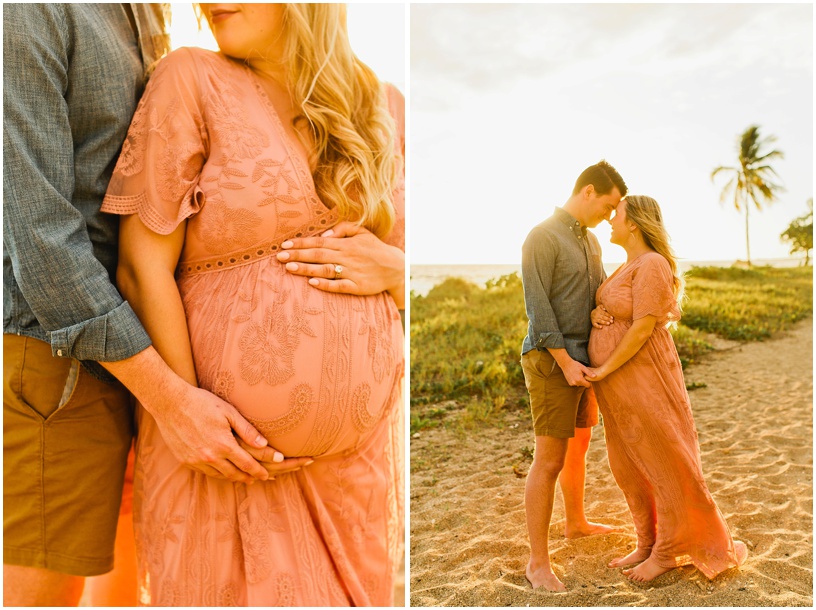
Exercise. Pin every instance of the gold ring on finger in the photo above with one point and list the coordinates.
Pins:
(337, 271)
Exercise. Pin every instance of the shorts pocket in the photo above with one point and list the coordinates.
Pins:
(44, 383)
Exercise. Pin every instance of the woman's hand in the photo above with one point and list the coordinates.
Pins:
(273, 461)
(600, 317)
(348, 259)
(600, 372)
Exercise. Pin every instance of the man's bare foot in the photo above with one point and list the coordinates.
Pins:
(646, 571)
(741, 551)
(632, 558)
(544, 577)
(588, 529)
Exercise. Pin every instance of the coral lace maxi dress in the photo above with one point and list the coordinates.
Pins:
(319, 374)
(649, 428)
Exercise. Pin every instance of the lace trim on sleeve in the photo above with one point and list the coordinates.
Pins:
(148, 214)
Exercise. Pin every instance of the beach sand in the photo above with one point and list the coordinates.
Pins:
(467, 524)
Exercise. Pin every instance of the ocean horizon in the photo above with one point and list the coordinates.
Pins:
(425, 277)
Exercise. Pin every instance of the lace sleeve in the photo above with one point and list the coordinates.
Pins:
(157, 173)
(396, 106)
(652, 290)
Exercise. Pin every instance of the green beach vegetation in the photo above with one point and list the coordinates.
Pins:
(466, 340)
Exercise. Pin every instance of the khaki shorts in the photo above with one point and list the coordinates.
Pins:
(66, 437)
(557, 407)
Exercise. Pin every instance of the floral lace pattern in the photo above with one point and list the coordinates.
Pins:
(319, 374)
(649, 427)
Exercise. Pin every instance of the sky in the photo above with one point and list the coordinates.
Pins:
(376, 32)
(509, 103)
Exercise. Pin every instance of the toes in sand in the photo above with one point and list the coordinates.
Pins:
(632, 558)
(646, 571)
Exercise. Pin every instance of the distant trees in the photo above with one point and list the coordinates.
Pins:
(800, 233)
(751, 180)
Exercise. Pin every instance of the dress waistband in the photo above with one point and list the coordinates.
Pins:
(318, 224)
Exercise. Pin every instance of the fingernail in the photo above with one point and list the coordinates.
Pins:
(291, 267)
(328, 233)
(283, 256)
(287, 244)
(261, 441)
(309, 462)
(313, 281)
(278, 457)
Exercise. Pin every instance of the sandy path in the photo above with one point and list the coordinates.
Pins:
(468, 535)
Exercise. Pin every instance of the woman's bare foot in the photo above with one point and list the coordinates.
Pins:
(588, 528)
(741, 551)
(646, 571)
(632, 558)
(544, 577)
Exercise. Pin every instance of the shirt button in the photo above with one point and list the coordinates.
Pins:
(59, 352)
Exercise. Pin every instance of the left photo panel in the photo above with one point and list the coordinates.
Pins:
(203, 298)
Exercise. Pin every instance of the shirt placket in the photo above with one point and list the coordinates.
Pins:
(580, 235)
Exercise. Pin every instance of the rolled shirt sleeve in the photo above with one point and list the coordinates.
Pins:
(538, 256)
(52, 247)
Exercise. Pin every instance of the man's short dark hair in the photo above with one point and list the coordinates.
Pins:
(603, 177)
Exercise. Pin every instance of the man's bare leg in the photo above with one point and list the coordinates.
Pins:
(572, 482)
(24, 586)
(539, 495)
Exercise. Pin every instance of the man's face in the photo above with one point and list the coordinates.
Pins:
(600, 207)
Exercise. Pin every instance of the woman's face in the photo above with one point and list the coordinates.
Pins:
(246, 31)
(620, 228)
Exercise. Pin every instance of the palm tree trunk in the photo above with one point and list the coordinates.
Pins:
(747, 241)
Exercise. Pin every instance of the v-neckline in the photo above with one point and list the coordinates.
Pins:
(301, 165)
(625, 265)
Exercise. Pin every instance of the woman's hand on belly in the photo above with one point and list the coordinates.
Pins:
(601, 317)
(367, 265)
(273, 460)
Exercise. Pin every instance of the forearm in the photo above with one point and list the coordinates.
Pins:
(155, 298)
(562, 358)
(632, 341)
(149, 379)
(398, 294)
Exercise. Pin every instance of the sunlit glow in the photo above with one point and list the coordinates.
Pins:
(376, 31)
(510, 102)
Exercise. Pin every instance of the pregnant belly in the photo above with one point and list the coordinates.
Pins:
(314, 372)
(603, 341)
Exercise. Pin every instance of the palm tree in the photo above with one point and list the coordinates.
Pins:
(751, 180)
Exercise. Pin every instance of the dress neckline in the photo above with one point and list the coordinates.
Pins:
(626, 265)
(300, 164)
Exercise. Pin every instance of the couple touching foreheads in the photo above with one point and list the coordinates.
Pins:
(602, 343)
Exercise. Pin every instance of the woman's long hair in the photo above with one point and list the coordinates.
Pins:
(645, 213)
(354, 163)
(345, 107)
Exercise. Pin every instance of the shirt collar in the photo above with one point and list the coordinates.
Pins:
(569, 220)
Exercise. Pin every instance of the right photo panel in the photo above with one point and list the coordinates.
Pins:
(611, 336)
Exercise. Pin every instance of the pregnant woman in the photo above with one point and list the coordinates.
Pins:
(649, 428)
(231, 156)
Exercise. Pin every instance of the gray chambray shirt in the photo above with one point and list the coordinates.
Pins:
(72, 76)
(561, 270)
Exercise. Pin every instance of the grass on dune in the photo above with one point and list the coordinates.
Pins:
(466, 340)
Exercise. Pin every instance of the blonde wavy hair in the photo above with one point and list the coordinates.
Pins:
(645, 213)
(344, 109)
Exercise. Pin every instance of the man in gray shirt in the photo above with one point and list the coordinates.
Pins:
(72, 76)
(561, 271)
